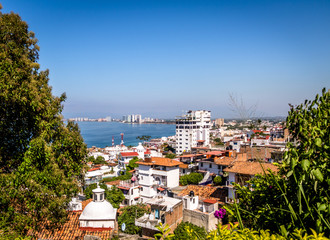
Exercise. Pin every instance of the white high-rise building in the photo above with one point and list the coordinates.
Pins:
(192, 130)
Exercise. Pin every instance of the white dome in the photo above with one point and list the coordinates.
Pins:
(98, 211)
(140, 148)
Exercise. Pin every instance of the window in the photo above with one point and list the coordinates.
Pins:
(132, 191)
(201, 164)
(183, 171)
(193, 200)
(210, 165)
(141, 189)
(101, 197)
(219, 167)
(95, 197)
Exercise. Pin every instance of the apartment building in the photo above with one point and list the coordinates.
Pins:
(193, 130)
(156, 175)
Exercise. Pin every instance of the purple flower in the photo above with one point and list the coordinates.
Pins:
(270, 186)
(220, 213)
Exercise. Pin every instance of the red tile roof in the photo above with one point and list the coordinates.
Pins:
(191, 155)
(161, 162)
(129, 154)
(93, 169)
(250, 168)
(71, 230)
(212, 201)
(160, 189)
(215, 153)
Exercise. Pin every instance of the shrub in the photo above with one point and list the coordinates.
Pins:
(181, 231)
(192, 178)
(217, 180)
(128, 216)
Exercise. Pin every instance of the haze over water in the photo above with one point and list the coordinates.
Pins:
(100, 134)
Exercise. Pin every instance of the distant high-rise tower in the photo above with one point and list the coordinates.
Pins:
(192, 130)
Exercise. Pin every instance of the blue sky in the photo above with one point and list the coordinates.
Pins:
(159, 58)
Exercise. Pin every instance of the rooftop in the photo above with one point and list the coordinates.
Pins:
(70, 230)
(206, 192)
(129, 154)
(250, 168)
(160, 161)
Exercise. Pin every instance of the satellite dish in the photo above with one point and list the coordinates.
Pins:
(123, 227)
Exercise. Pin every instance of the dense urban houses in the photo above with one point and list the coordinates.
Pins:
(165, 210)
(193, 130)
(131, 191)
(240, 172)
(157, 176)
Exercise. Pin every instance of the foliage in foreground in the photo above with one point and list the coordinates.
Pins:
(181, 231)
(192, 178)
(128, 216)
(114, 195)
(41, 158)
(232, 232)
(299, 196)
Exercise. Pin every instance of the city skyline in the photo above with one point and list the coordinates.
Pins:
(161, 58)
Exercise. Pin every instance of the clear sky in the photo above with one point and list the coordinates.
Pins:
(161, 57)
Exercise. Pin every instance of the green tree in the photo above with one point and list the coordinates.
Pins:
(128, 216)
(145, 138)
(217, 180)
(132, 164)
(181, 231)
(41, 158)
(100, 160)
(170, 155)
(114, 195)
(192, 178)
(297, 197)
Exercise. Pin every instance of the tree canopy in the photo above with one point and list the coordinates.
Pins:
(41, 157)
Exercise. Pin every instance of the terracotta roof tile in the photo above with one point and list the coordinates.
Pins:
(250, 168)
(70, 230)
(224, 160)
(129, 154)
(185, 166)
(206, 192)
(161, 162)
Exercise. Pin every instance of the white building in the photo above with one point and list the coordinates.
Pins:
(156, 175)
(193, 130)
(131, 191)
(99, 213)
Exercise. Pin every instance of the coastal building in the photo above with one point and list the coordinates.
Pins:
(193, 130)
(156, 176)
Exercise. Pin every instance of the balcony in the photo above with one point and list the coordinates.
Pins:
(128, 183)
(159, 172)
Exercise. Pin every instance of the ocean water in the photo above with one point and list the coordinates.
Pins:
(100, 134)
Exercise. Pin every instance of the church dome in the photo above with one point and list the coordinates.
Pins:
(99, 209)
(140, 148)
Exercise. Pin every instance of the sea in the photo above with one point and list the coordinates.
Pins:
(99, 134)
